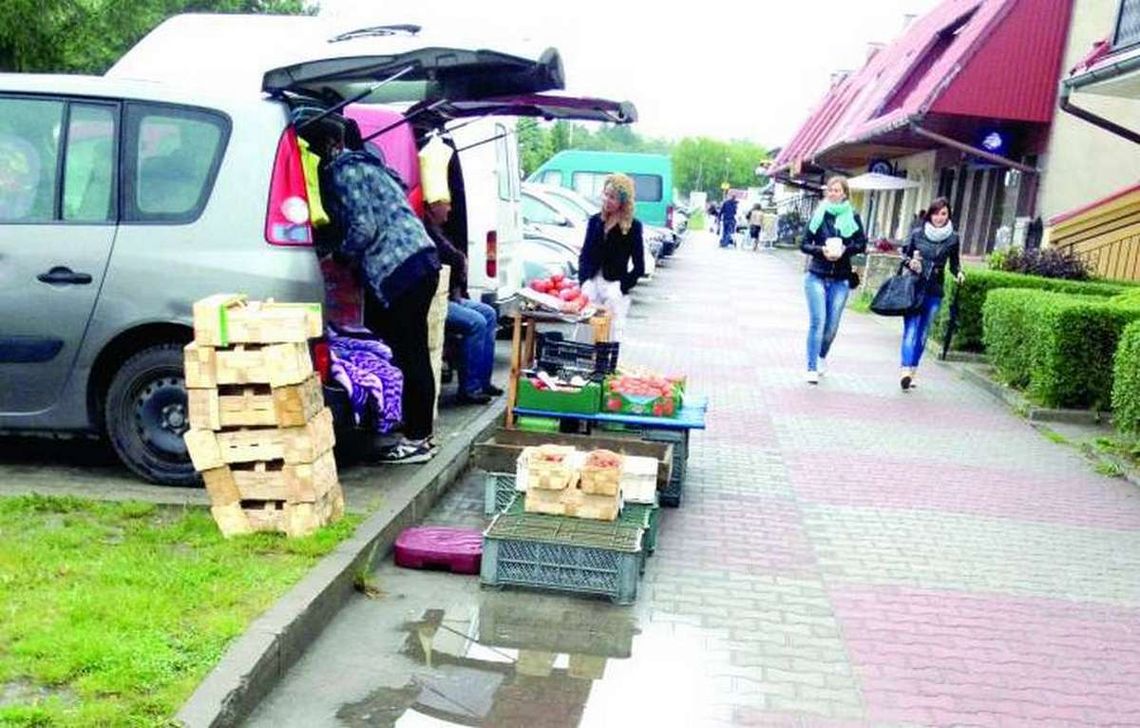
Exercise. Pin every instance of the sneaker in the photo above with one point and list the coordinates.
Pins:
(822, 367)
(406, 452)
(812, 377)
(905, 380)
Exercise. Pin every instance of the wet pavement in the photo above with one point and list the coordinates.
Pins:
(845, 554)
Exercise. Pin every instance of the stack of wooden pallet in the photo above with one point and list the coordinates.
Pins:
(259, 431)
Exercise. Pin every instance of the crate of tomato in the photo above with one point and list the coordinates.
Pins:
(643, 394)
(565, 290)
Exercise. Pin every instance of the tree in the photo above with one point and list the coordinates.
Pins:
(88, 36)
(534, 145)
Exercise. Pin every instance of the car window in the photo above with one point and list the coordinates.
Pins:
(89, 166)
(551, 177)
(646, 187)
(175, 153)
(29, 150)
(536, 211)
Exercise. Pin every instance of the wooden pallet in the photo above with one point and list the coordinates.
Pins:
(295, 445)
(277, 365)
(276, 480)
(292, 519)
(227, 319)
(573, 502)
(239, 405)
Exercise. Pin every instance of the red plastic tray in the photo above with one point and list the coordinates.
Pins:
(459, 550)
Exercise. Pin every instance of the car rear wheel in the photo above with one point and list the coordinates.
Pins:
(146, 416)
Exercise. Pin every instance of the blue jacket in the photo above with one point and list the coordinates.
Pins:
(383, 237)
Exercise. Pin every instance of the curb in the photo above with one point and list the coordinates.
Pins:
(253, 664)
(979, 376)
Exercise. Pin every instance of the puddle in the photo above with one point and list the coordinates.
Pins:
(539, 661)
(24, 693)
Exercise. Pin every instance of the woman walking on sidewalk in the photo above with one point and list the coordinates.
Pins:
(833, 235)
(927, 251)
(613, 255)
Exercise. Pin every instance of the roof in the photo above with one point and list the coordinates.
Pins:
(992, 59)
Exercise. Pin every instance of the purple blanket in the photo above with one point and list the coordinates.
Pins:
(364, 368)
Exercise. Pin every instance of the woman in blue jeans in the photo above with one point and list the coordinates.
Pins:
(833, 235)
(928, 249)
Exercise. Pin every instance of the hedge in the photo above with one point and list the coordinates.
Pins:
(1060, 347)
(1126, 381)
(969, 335)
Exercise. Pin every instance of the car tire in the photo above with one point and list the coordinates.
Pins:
(146, 415)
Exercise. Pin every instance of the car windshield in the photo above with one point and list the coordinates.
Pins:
(580, 203)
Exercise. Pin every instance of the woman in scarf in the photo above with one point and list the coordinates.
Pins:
(613, 256)
(926, 253)
(833, 235)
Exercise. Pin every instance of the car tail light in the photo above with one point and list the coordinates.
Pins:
(492, 254)
(669, 217)
(322, 359)
(287, 219)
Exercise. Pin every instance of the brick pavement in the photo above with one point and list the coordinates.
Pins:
(846, 554)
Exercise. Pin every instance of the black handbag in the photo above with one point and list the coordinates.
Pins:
(901, 294)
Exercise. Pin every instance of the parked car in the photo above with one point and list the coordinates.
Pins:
(659, 241)
(122, 201)
(585, 171)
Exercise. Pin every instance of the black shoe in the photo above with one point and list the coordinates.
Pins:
(492, 390)
(404, 453)
(476, 398)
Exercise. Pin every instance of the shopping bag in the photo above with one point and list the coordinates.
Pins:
(900, 294)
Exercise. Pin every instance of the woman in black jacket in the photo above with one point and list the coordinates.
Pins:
(833, 235)
(613, 255)
(928, 249)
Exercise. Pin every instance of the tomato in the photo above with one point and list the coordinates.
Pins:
(613, 404)
(556, 278)
(566, 295)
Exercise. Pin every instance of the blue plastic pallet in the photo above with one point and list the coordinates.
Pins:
(671, 495)
(563, 554)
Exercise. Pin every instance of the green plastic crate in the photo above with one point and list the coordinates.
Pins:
(563, 554)
(644, 515)
(498, 492)
(585, 401)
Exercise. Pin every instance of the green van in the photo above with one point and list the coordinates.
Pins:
(586, 172)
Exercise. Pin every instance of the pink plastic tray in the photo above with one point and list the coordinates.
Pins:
(459, 550)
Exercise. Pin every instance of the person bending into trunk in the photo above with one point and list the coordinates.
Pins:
(385, 242)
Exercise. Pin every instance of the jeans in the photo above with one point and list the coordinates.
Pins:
(916, 327)
(826, 298)
(476, 322)
(727, 228)
(403, 326)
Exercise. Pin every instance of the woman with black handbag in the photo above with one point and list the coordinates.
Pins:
(833, 235)
(928, 249)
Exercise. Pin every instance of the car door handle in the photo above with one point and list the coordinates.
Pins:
(60, 274)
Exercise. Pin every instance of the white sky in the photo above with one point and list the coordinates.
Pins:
(736, 69)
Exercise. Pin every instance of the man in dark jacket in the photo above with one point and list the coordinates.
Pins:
(727, 221)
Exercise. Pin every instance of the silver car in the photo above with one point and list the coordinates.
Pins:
(122, 202)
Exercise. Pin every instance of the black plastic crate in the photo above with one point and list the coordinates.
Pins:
(559, 357)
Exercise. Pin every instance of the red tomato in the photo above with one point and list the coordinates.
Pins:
(566, 294)
(556, 277)
(613, 404)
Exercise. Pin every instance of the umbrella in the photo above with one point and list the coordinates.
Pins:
(951, 322)
(877, 181)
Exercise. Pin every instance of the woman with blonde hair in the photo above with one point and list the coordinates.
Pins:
(833, 235)
(613, 255)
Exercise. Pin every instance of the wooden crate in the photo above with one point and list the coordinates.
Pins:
(600, 481)
(227, 319)
(299, 483)
(572, 502)
(238, 405)
(292, 519)
(274, 364)
(294, 445)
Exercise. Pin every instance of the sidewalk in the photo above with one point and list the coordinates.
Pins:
(846, 554)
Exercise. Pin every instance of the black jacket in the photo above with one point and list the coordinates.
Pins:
(813, 245)
(611, 254)
(935, 256)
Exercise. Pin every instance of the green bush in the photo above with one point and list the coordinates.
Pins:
(1058, 346)
(979, 282)
(1126, 381)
